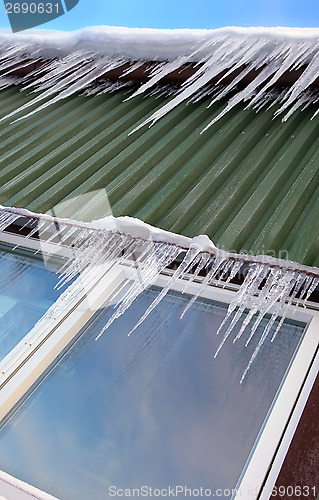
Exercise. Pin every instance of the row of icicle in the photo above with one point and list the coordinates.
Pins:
(265, 290)
(81, 69)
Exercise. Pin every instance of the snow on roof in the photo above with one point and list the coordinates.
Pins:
(82, 57)
(146, 43)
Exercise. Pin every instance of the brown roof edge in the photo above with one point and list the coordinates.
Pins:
(299, 473)
(176, 77)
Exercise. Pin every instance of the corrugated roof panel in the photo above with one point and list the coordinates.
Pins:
(250, 182)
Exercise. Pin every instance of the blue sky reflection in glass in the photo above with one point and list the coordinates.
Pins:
(151, 409)
(26, 292)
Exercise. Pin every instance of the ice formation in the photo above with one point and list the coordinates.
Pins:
(270, 285)
(65, 63)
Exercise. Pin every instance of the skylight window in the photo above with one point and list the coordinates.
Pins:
(82, 398)
(153, 409)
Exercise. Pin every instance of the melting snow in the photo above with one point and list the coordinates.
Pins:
(270, 285)
(76, 60)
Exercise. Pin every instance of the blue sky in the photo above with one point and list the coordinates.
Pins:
(185, 13)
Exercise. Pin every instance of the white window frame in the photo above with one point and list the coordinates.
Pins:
(34, 354)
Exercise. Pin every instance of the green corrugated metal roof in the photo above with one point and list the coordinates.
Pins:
(250, 182)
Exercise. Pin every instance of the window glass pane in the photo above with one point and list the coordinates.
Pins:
(153, 409)
(26, 292)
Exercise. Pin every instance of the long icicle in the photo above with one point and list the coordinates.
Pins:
(270, 287)
(72, 65)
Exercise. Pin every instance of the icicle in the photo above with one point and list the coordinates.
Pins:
(25, 225)
(278, 292)
(68, 65)
(271, 286)
(227, 266)
(236, 266)
(263, 302)
(47, 226)
(217, 263)
(155, 266)
(36, 229)
(186, 264)
(159, 72)
(277, 307)
(311, 289)
(201, 261)
(304, 290)
(255, 276)
(279, 287)
(298, 282)
(57, 232)
(7, 220)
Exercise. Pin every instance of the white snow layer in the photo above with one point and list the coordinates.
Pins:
(270, 286)
(78, 59)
